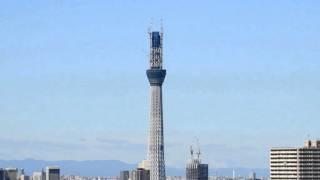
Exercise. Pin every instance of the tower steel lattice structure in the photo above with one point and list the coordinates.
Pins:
(156, 76)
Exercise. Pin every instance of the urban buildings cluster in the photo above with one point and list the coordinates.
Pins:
(75, 177)
(49, 173)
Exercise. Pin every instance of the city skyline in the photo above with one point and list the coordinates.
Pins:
(241, 76)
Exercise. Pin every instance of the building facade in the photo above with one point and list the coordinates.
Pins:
(24, 177)
(11, 173)
(52, 173)
(156, 75)
(2, 174)
(296, 163)
(37, 176)
(124, 175)
(139, 174)
(144, 165)
(195, 169)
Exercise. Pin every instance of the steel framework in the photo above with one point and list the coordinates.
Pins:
(156, 76)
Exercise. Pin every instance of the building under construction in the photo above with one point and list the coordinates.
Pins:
(195, 169)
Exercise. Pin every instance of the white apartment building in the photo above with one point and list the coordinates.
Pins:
(296, 163)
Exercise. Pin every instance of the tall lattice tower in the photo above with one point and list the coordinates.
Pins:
(156, 77)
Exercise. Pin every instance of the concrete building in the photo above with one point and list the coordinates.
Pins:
(296, 163)
(11, 173)
(43, 171)
(144, 165)
(195, 169)
(156, 76)
(24, 177)
(124, 175)
(139, 174)
(37, 176)
(52, 173)
(2, 174)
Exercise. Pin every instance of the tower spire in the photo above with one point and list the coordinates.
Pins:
(156, 76)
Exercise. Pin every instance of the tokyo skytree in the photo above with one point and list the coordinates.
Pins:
(156, 77)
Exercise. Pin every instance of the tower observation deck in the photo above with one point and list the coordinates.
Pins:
(156, 76)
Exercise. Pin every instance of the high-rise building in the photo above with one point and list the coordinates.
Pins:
(296, 163)
(124, 175)
(11, 173)
(139, 174)
(2, 174)
(43, 172)
(195, 169)
(52, 173)
(156, 77)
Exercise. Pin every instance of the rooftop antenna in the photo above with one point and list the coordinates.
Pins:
(198, 152)
(161, 26)
(151, 25)
(191, 152)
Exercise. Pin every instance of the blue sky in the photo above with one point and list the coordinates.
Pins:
(242, 76)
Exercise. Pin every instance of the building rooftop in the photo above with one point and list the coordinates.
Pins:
(307, 144)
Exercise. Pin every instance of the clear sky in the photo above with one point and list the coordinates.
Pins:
(242, 76)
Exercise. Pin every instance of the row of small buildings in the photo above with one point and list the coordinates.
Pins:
(286, 163)
(195, 170)
(49, 173)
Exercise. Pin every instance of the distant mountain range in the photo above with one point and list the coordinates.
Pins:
(111, 168)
